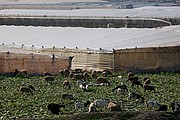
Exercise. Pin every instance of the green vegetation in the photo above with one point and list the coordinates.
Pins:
(18, 105)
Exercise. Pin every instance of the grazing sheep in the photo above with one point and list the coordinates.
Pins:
(147, 82)
(49, 78)
(55, 108)
(162, 108)
(78, 70)
(31, 87)
(149, 87)
(130, 74)
(83, 86)
(78, 76)
(68, 97)
(102, 103)
(93, 75)
(92, 107)
(135, 96)
(102, 80)
(121, 91)
(81, 105)
(106, 73)
(46, 74)
(21, 73)
(152, 104)
(64, 73)
(114, 107)
(122, 87)
(66, 83)
(134, 81)
(86, 74)
(26, 90)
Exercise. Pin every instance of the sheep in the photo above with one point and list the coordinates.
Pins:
(49, 78)
(122, 87)
(92, 107)
(152, 104)
(85, 74)
(162, 108)
(149, 87)
(121, 91)
(102, 80)
(93, 75)
(55, 108)
(64, 73)
(78, 76)
(130, 74)
(134, 81)
(26, 90)
(31, 87)
(83, 86)
(114, 107)
(106, 73)
(46, 74)
(135, 96)
(147, 82)
(66, 83)
(21, 73)
(81, 105)
(101, 103)
(68, 97)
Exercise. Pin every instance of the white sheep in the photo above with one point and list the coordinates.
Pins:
(92, 107)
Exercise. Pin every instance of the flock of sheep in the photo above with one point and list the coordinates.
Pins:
(80, 76)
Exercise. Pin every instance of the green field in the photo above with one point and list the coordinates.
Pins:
(18, 105)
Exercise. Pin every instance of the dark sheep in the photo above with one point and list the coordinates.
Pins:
(135, 96)
(93, 75)
(47, 74)
(149, 87)
(78, 76)
(124, 87)
(130, 74)
(102, 80)
(55, 108)
(162, 108)
(64, 73)
(49, 78)
(31, 87)
(66, 83)
(21, 73)
(147, 82)
(108, 72)
(26, 90)
(68, 97)
(134, 81)
(86, 74)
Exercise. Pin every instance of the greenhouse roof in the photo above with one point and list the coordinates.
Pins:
(92, 38)
(150, 12)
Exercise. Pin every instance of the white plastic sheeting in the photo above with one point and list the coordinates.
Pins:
(92, 38)
(151, 12)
